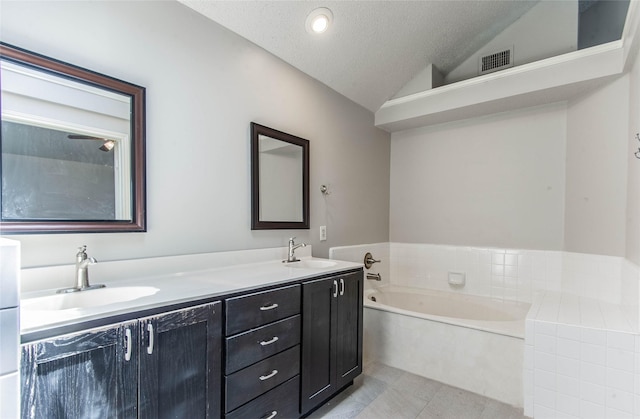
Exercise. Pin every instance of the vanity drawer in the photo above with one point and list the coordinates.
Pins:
(253, 310)
(250, 347)
(251, 382)
(281, 402)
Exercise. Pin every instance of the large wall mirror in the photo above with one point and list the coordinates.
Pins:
(72, 147)
(279, 180)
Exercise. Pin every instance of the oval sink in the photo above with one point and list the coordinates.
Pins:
(86, 299)
(312, 264)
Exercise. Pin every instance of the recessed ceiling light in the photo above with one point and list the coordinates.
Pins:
(318, 20)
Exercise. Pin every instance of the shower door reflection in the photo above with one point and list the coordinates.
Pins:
(47, 175)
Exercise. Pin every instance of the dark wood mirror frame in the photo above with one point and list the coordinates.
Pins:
(138, 177)
(256, 224)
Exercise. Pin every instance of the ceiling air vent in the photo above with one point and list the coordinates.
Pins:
(496, 61)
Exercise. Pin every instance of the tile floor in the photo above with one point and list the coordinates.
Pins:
(384, 392)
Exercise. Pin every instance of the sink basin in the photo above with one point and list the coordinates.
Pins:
(86, 299)
(312, 264)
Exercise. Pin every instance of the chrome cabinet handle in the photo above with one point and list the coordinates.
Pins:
(271, 416)
(127, 342)
(341, 287)
(266, 377)
(335, 288)
(270, 341)
(150, 346)
(271, 307)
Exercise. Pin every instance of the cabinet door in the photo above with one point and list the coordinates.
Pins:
(180, 363)
(92, 374)
(349, 330)
(318, 368)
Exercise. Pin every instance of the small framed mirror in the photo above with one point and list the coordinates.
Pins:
(279, 180)
(72, 148)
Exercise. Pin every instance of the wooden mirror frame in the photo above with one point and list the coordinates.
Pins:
(256, 223)
(138, 181)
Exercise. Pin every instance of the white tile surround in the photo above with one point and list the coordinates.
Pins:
(574, 371)
(485, 363)
(582, 347)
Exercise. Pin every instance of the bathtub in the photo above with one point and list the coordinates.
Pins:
(469, 342)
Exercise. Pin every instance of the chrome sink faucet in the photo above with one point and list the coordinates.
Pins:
(291, 257)
(82, 272)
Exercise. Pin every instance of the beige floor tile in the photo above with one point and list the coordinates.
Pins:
(453, 403)
(365, 389)
(417, 386)
(495, 410)
(393, 404)
(384, 392)
(383, 372)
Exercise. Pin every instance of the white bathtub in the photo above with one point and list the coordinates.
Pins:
(469, 342)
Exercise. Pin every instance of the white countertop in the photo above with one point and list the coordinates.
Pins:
(174, 288)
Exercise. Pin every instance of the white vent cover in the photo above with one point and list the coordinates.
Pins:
(496, 61)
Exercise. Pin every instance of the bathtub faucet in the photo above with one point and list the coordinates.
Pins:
(369, 260)
(375, 277)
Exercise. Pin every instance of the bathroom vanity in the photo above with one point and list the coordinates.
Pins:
(211, 343)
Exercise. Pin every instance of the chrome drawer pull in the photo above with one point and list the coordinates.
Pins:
(266, 377)
(271, 416)
(335, 288)
(270, 341)
(271, 307)
(341, 287)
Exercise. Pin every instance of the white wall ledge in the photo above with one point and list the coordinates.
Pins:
(546, 81)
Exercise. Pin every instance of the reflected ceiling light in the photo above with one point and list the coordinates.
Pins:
(108, 145)
(318, 20)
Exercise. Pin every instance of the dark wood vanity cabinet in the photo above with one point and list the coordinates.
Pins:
(87, 374)
(162, 366)
(180, 363)
(262, 354)
(331, 336)
(276, 353)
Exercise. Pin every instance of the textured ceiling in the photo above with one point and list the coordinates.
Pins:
(373, 48)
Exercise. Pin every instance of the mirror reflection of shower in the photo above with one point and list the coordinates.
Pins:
(51, 173)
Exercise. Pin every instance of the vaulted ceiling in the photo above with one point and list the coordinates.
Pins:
(372, 48)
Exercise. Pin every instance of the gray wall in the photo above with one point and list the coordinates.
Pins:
(633, 172)
(555, 177)
(493, 181)
(597, 147)
(529, 42)
(204, 86)
(601, 21)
